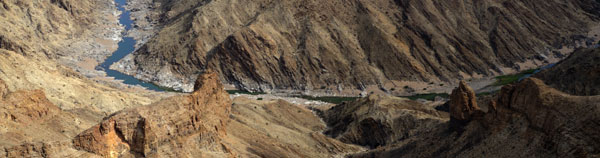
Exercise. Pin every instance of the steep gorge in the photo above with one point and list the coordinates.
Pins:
(342, 47)
(188, 125)
(44, 100)
(50, 109)
(524, 119)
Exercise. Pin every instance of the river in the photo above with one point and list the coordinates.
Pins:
(126, 46)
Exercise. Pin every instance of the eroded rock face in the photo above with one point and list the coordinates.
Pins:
(180, 125)
(463, 102)
(26, 24)
(26, 107)
(308, 44)
(380, 120)
(32, 126)
(531, 119)
(579, 74)
(45, 150)
(565, 120)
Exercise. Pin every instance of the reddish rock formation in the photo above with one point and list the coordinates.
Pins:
(177, 126)
(26, 106)
(463, 103)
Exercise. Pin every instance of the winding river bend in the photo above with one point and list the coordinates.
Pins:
(126, 46)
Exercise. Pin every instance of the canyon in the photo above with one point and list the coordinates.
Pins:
(345, 48)
(177, 63)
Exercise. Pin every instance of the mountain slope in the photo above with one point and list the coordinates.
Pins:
(43, 101)
(349, 45)
(579, 74)
(206, 124)
(379, 120)
(527, 119)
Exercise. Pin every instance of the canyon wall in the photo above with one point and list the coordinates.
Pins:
(352, 45)
(579, 74)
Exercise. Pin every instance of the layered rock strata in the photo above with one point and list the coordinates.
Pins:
(341, 47)
(177, 126)
(376, 120)
(579, 74)
(530, 119)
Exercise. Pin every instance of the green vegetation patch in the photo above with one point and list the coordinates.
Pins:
(427, 96)
(329, 99)
(166, 89)
(508, 79)
(244, 92)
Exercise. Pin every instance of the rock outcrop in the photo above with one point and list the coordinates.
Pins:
(177, 126)
(531, 119)
(380, 120)
(26, 24)
(32, 126)
(42, 150)
(579, 74)
(347, 45)
(564, 121)
(463, 103)
(26, 107)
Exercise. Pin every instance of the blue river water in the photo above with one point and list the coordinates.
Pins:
(126, 46)
(538, 70)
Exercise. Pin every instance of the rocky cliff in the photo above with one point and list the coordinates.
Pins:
(337, 47)
(528, 119)
(579, 74)
(32, 126)
(40, 44)
(44, 103)
(376, 120)
(55, 23)
(207, 124)
(48, 109)
(463, 103)
(181, 126)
